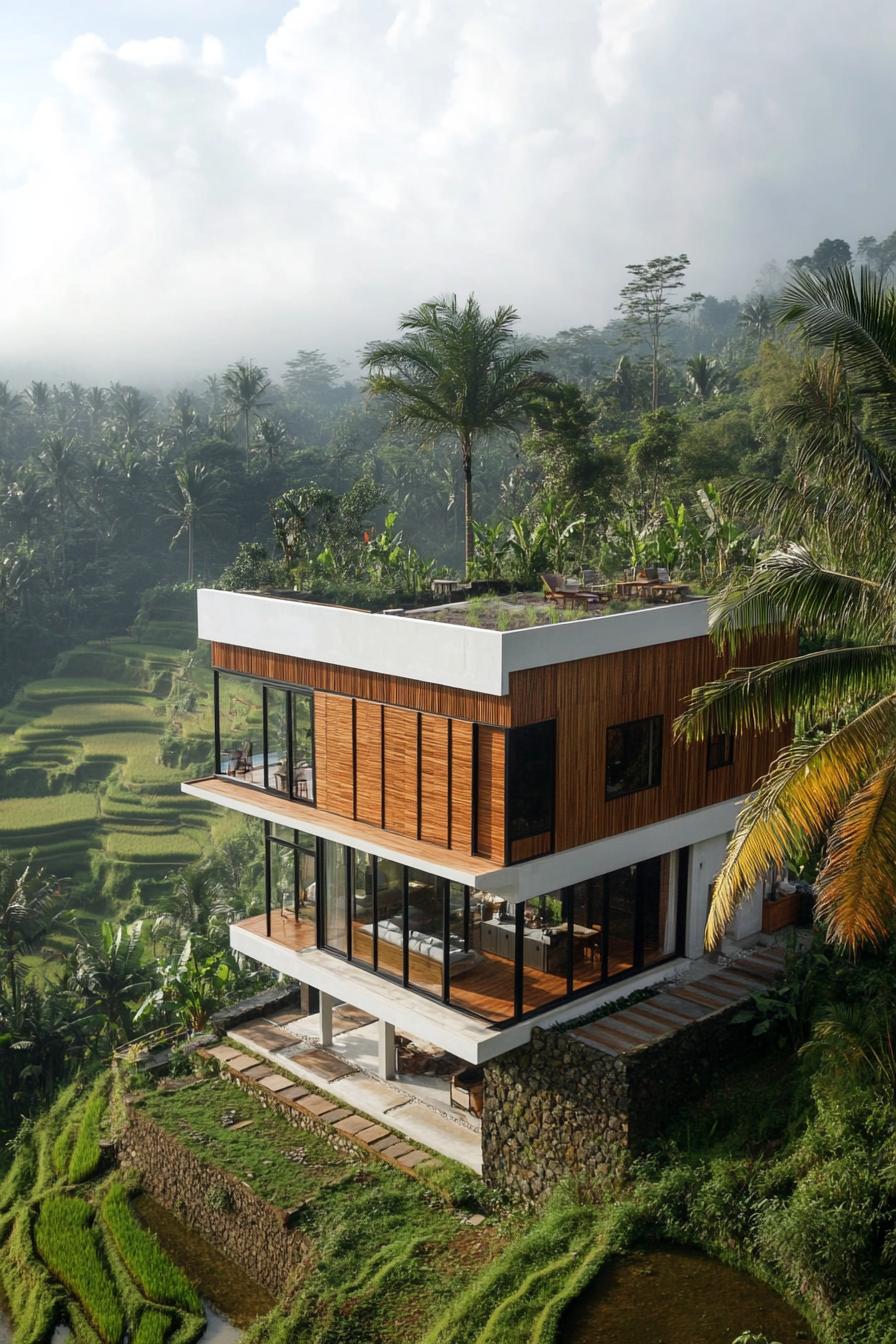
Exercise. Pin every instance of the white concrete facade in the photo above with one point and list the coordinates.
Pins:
(430, 651)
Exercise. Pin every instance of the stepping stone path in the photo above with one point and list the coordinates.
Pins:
(679, 1005)
(374, 1139)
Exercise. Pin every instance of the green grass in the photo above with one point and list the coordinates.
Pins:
(28, 816)
(66, 1242)
(158, 1278)
(34, 1300)
(85, 1158)
(152, 1328)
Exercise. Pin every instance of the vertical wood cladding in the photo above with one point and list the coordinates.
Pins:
(434, 779)
(399, 754)
(490, 757)
(400, 793)
(369, 762)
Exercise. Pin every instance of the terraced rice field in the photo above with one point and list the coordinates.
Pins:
(82, 780)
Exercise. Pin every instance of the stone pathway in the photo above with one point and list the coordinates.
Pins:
(680, 1005)
(376, 1139)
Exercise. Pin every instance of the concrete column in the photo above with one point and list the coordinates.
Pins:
(386, 1050)
(326, 1018)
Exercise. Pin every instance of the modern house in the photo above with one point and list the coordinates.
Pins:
(468, 831)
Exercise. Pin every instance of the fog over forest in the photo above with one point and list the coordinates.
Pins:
(182, 185)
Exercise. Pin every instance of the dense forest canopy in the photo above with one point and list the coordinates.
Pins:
(107, 490)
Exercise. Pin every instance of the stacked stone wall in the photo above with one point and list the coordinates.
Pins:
(557, 1108)
(219, 1207)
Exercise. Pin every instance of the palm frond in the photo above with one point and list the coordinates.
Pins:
(820, 685)
(857, 884)
(802, 794)
(858, 317)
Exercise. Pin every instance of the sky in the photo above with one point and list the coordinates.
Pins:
(184, 183)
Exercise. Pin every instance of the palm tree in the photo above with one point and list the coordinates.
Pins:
(757, 318)
(30, 900)
(831, 571)
(245, 385)
(198, 502)
(111, 975)
(704, 376)
(457, 372)
(273, 437)
(59, 463)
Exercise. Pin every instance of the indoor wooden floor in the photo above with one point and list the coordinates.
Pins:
(486, 990)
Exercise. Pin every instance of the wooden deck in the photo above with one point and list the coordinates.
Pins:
(677, 1007)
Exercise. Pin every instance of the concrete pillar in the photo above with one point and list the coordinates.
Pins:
(386, 1050)
(326, 1018)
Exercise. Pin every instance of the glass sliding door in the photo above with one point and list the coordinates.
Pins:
(587, 919)
(335, 896)
(362, 906)
(426, 932)
(303, 746)
(276, 739)
(621, 907)
(545, 949)
(657, 911)
(390, 918)
(292, 871)
(240, 729)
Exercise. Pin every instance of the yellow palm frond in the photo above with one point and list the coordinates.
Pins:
(857, 885)
(802, 794)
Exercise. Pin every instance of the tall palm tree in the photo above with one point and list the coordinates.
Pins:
(704, 376)
(245, 385)
(197, 502)
(273, 437)
(457, 372)
(757, 318)
(60, 466)
(30, 900)
(831, 572)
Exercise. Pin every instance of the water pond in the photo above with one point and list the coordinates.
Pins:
(670, 1295)
(232, 1299)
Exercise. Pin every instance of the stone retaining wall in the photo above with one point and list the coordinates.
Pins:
(219, 1207)
(557, 1107)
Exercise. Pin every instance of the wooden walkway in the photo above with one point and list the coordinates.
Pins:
(676, 1008)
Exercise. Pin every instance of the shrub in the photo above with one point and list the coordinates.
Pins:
(158, 1278)
(86, 1153)
(66, 1242)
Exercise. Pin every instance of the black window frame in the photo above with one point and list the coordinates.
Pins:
(291, 690)
(516, 743)
(719, 751)
(657, 769)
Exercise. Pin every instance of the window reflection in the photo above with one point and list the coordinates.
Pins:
(303, 745)
(277, 756)
(390, 917)
(545, 950)
(240, 729)
(426, 932)
(587, 913)
(334, 897)
(362, 907)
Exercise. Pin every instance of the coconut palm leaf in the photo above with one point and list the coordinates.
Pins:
(800, 797)
(857, 316)
(857, 884)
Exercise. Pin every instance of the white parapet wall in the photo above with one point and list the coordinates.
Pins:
(464, 656)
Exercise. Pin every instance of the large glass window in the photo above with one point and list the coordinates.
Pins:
(335, 923)
(265, 735)
(587, 919)
(240, 729)
(426, 931)
(545, 951)
(658, 907)
(634, 756)
(621, 907)
(292, 898)
(719, 750)
(362, 906)
(483, 976)
(530, 778)
(390, 917)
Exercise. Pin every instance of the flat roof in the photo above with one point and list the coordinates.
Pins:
(460, 655)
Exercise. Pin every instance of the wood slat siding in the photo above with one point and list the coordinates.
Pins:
(589, 696)
(333, 726)
(400, 800)
(434, 779)
(391, 715)
(530, 848)
(461, 801)
(450, 701)
(490, 752)
(369, 762)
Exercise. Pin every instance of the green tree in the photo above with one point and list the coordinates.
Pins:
(112, 975)
(245, 386)
(456, 372)
(831, 575)
(756, 318)
(830, 255)
(30, 901)
(648, 308)
(704, 376)
(60, 466)
(197, 503)
(654, 452)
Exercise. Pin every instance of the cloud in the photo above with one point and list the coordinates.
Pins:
(166, 209)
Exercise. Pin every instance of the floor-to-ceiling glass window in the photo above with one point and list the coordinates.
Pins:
(621, 907)
(303, 746)
(390, 917)
(240, 729)
(586, 904)
(362, 906)
(276, 739)
(292, 865)
(545, 944)
(426, 931)
(657, 911)
(335, 896)
(482, 980)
